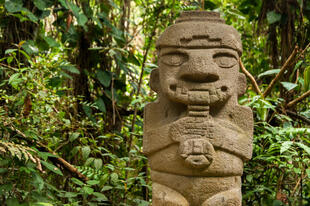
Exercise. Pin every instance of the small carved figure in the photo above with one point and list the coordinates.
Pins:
(196, 135)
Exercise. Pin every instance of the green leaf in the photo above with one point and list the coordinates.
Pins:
(98, 163)
(50, 41)
(273, 17)
(106, 188)
(3, 170)
(45, 155)
(308, 172)
(12, 202)
(210, 5)
(52, 167)
(40, 4)
(304, 147)
(82, 19)
(74, 136)
(100, 196)
(70, 68)
(42, 204)
(269, 72)
(70, 194)
(38, 181)
(15, 80)
(288, 85)
(132, 59)
(54, 82)
(9, 51)
(114, 178)
(85, 152)
(13, 5)
(30, 15)
(64, 3)
(77, 181)
(9, 59)
(101, 105)
(95, 19)
(277, 203)
(88, 190)
(30, 47)
(285, 146)
(104, 77)
(25, 54)
(307, 78)
(93, 182)
(89, 161)
(88, 112)
(79, 15)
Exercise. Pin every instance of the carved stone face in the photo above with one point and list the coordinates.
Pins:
(204, 76)
(198, 61)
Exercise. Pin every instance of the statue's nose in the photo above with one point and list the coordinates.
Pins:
(199, 72)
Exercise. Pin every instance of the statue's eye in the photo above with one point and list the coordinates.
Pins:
(174, 59)
(225, 60)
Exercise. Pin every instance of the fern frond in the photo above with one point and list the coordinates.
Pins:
(22, 152)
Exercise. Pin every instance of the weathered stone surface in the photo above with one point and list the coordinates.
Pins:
(196, 136)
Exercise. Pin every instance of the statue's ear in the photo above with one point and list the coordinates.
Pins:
(154, 83)
(241, 84)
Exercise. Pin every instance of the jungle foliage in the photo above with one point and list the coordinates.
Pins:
(74, 81)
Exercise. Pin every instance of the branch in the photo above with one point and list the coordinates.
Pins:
(298, 99)
(288, 63)
(202, 5)
(59, 160)
(297, 116)
(252, 79)
(303, 51)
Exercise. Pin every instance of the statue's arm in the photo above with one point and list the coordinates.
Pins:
(236, 135)
(156, 134)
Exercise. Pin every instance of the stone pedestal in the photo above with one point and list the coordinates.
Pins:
(196, 135)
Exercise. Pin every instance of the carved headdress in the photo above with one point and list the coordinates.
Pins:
(200, 29)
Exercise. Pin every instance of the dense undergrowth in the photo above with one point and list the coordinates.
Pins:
(74, 82)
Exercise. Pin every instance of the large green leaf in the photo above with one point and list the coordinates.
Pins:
(30, 15)
(288, 85)
(88, 190)
(15, 80)
(85, 152)
(104, 77)
(101, 105)
(52, 167)
(98, 164)
(42, 4)
(30, 47)
(100, 196)
(77, 181)
(70, 68)
(13, 5)
(285, 146)
(78, 13)
(304, 147)
(50, 41)
(93, 182)
(269, 72)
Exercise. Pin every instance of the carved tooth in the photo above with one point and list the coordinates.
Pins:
(212, 91)
(178, 91)
(184, 90)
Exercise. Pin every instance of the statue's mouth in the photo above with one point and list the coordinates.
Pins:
(202, 95)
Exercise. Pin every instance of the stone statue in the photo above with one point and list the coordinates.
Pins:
(196, 136)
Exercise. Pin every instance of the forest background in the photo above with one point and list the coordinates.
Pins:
(74, 81)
